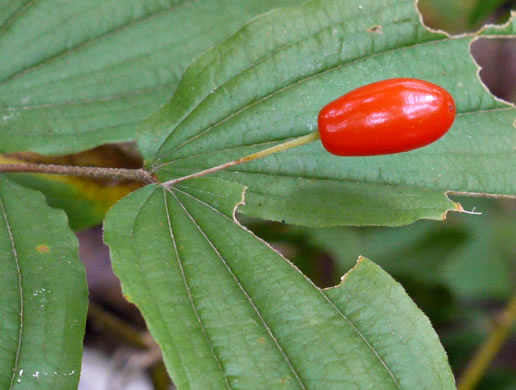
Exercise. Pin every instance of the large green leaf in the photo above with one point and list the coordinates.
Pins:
(230, 312)
(87, 72)
(268, 82)
(44, 294)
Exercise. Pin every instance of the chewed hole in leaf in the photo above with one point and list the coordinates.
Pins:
(458, 17)
(497, 60)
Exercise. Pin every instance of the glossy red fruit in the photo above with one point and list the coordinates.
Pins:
(385, 117)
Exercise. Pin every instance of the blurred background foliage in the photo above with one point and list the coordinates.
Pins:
(459, 16)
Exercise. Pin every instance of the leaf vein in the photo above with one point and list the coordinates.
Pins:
(144, 280)
(187, 287)
(324, 296)
(20, 287)
(237, 281)
(267, 143)
(16, 15)
(101, 99)
(68, 51)
(299, 81)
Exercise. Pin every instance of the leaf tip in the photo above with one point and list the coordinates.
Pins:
(456, 207)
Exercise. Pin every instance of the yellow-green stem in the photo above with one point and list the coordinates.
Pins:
(488, 350)
(275, 149)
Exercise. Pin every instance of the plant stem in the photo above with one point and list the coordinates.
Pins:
(116, 327)
(143, 176)
(275, 149)
(488, 350)
(93, 172)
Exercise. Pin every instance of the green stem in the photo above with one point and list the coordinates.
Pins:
(275, 149)
(488, 350)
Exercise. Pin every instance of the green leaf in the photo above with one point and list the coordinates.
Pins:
(380, 306)
(322, 203)
(233, 101)
(230, 312)
(88, 72)
(44, 294)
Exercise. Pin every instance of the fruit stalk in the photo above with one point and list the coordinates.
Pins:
(275, 149)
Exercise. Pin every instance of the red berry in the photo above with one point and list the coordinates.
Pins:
(385, 117)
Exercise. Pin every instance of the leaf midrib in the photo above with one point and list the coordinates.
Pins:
(187, 287)
(20, 286)
(239, 284)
